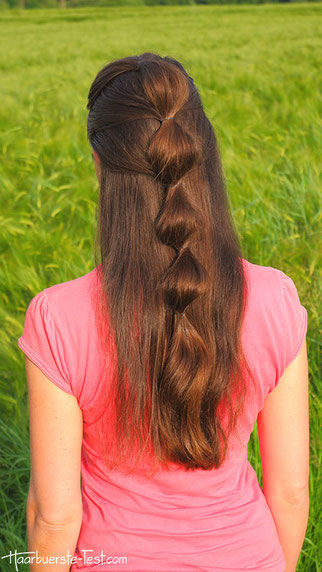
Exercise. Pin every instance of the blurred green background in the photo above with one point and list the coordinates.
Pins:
(257, 69)
(31, 4)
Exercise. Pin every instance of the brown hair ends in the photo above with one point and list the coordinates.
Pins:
(173, 291)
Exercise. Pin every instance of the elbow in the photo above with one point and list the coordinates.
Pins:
(293, 495)
(298, 495)
(56, 520)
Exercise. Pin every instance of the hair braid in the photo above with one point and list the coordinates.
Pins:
(175, 224)
(185, 280)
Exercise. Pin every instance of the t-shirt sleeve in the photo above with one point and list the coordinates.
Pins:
(294, 317)
(42, 342)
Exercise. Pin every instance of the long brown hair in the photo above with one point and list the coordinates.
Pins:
(173, 291)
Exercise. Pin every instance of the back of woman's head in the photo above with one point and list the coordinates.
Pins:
(173, 292)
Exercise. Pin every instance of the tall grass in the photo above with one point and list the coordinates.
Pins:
(257, 71)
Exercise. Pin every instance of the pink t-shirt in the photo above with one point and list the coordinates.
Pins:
(176, 520)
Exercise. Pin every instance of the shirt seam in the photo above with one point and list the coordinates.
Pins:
(46, 369)
(57, 330)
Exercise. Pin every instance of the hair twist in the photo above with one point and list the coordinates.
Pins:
(173, 153)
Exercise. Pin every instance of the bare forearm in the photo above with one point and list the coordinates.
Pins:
(52, 544)
(291, 520)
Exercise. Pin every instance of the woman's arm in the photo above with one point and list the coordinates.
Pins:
(291, 520)
(54, 544)
(283, 431)
(54, 504)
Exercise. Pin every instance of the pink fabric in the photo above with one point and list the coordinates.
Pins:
(176, 521)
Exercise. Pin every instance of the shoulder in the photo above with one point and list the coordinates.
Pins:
(264, 284)
(62, 302)
(63, 316)
(260, 272)
(67, 308)
(73, 295)
(268, 284)
(275, 315)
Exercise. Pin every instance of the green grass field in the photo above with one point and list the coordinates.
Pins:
(257, 71)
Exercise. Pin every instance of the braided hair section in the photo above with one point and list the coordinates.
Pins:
(173, 154)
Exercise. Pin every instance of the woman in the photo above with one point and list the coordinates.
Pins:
(162, 358)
